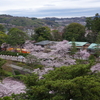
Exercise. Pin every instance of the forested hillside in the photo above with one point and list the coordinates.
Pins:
(11, 21)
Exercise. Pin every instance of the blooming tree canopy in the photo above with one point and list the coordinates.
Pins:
(82, 54)
(9, 86)
(58, 56)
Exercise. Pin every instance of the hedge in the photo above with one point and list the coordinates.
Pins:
(13, 53)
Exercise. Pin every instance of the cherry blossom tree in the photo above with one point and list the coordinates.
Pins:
(9, 86)
(31, 47)
(82, 54)
(58, 56)
(95, 68)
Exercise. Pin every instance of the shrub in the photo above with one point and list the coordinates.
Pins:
(13, 53)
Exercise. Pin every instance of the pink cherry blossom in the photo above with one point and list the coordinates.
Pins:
(58, 56)
(9, 86)
(82, 54)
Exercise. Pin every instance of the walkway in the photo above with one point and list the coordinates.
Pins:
(20, 68)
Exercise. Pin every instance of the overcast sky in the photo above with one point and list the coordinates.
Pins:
(50, 8)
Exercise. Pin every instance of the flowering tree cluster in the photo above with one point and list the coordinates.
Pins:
(58, 56)
(31, 47)
(95, 68)
(82, 54)
(9, 86)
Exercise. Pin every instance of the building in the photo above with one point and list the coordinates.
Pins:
(45, 43)
(92, 48)
(81, 45)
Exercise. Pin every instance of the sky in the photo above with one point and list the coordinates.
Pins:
(50, 8)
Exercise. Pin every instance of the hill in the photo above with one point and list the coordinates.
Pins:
(13, 21)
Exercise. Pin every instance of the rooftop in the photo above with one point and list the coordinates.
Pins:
(43, 43)
(93, 46)
(79, 43)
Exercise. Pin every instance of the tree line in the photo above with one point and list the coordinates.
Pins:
(76, 31)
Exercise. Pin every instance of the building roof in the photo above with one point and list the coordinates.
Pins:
(43, 43)
(93, 46)
(79, 43)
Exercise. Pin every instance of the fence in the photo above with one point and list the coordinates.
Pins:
(13, 58)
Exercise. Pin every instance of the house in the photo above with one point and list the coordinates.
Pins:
(92, 47)
(45, 43)
(81, 45)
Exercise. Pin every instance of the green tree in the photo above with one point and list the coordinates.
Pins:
(16, 37)
(2, 71)
(6, 98)
(2, 28)
(73, 48)
(97, 49)
(42, 33)
(89, 23)
(96, 23)
(64, 83)
(91, 37)
(74, 30)
(3, 37)
(93, 24)
(56, 35)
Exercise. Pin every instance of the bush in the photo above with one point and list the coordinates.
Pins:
(81, 61)
(2, 62)
(17, 72)
(38, 66)
(13, 53)
(92, 57)
(19, 77)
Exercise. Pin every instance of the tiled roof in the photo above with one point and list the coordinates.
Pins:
(44, 42)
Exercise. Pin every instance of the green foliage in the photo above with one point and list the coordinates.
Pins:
(97, 49)
(91, 37)
(89, 23)
(2, 62)
(98, 38)
(81, 61)
(18, 77)
(6, 98)
(93, 24)
(2, 72)
(38, 66)
(64, 83)
(42, 33)
(96, 23)
(24, 22)
(13, 53)
(16, 37)
(20, 96)
(69, 72)
(2, 28)
(30, 79)
(3, 37)
(73, 48)
(17, 72)
(74, 30)
(56, 35)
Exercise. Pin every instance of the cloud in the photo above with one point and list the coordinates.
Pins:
(55, 12)
(42, 8)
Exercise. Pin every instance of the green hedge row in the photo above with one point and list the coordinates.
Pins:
(13, 53)
(2, 61)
